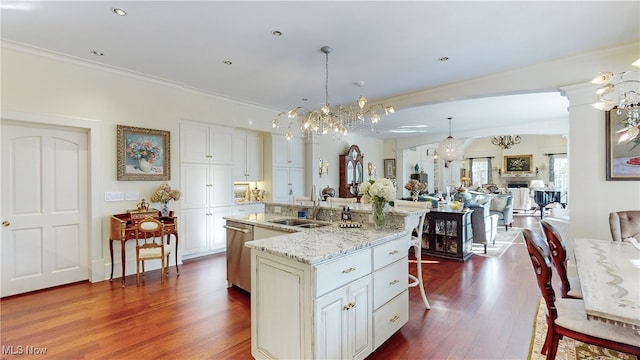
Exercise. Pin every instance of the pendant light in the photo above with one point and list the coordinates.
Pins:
(449, 149)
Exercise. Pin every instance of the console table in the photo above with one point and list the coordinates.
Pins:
(123, 228)
(449, 234)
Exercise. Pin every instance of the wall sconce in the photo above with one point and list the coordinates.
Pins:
(370, 168)
(323, 168)
(537, 170)
(499, 171)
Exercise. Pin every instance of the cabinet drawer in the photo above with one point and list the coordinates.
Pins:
(336, 273)
(385, 254)
(389, 282)
(390, 318)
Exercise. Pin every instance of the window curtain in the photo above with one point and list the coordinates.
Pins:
(552, 174)
(489, 171)
(470, 174)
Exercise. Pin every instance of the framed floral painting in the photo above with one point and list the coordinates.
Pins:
(623, 146)
(143, 154)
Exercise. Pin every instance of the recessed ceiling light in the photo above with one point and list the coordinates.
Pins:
(276, 33)
(97, 53)
(119, 12)
(444, 58)
(227, 62)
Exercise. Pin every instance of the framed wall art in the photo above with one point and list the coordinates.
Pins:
(240, 192)
(143, 154)
(622, 147)
(518, 164)
(390, 168)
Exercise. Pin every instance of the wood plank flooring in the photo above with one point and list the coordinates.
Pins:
(480, 309)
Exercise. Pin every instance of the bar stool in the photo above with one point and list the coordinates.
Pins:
(416, 243)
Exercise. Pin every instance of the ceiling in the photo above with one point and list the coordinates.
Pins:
(392, 47)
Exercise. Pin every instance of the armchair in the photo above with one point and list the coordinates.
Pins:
(625, 224)
(502, 205)
(483, 224)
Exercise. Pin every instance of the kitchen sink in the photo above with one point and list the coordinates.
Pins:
(299, 223)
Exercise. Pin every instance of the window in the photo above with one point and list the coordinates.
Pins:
(560, 167)
(480, 171)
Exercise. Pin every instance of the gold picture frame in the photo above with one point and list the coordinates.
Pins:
(143, 154)
(518, 164)
(390, 168)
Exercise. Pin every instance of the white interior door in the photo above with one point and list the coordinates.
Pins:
(44, 207)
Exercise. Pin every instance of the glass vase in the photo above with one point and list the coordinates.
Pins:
(414, 195)
(378, 212)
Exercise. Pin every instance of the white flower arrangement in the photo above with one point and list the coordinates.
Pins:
(377, 191)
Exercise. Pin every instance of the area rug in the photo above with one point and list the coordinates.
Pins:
(568, 349)
(504, 239)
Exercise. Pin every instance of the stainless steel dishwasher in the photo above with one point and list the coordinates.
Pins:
(238, 255)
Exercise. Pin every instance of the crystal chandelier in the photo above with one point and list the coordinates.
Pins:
(506, 141)
(449, 149)
(337, 120)
(621, 91)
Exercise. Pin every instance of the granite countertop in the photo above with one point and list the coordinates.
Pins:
(315, 245)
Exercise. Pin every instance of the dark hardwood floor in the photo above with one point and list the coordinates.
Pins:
(480, 309)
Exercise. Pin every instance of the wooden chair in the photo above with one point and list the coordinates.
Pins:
(148, 231)
(567, 317)
(570, 286)
(416, 243)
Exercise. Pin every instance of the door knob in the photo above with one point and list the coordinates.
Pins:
(6, 224)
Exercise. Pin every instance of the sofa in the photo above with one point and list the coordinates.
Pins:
(625, 224)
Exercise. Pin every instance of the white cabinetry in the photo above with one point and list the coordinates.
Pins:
(249, 208)
(287, 168)
(206, 174)
(202, 143)
(287, 183)
(247, 156)
(343, 308)
(288, 152)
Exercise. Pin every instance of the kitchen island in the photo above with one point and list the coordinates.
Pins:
(326, 292)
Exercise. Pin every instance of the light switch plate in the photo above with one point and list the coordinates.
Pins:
(132, 195)
(113, 196)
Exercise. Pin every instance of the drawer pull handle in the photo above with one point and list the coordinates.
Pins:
(393, 252)
(394, 318)
(394, 282)
(346, 271)
(349, 306)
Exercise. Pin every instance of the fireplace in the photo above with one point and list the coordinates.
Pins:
(517, 184)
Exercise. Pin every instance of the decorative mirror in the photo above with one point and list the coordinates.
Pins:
(351, 172)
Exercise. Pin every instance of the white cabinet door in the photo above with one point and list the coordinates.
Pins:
(220, 144)
(221, 185)
(296, 181)
(201, 143)
(239, 157)
(194, 143)
(247, 157)
(195, 181)
(344, 328)
(254, 157)
(219, 233)
(195, 226)
(281, 185)
(296, 152)
(288, 152)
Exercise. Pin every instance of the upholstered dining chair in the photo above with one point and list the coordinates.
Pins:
(416, 244)
(148, 232)
(567, 317)
(570, 285)
(625, 224)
